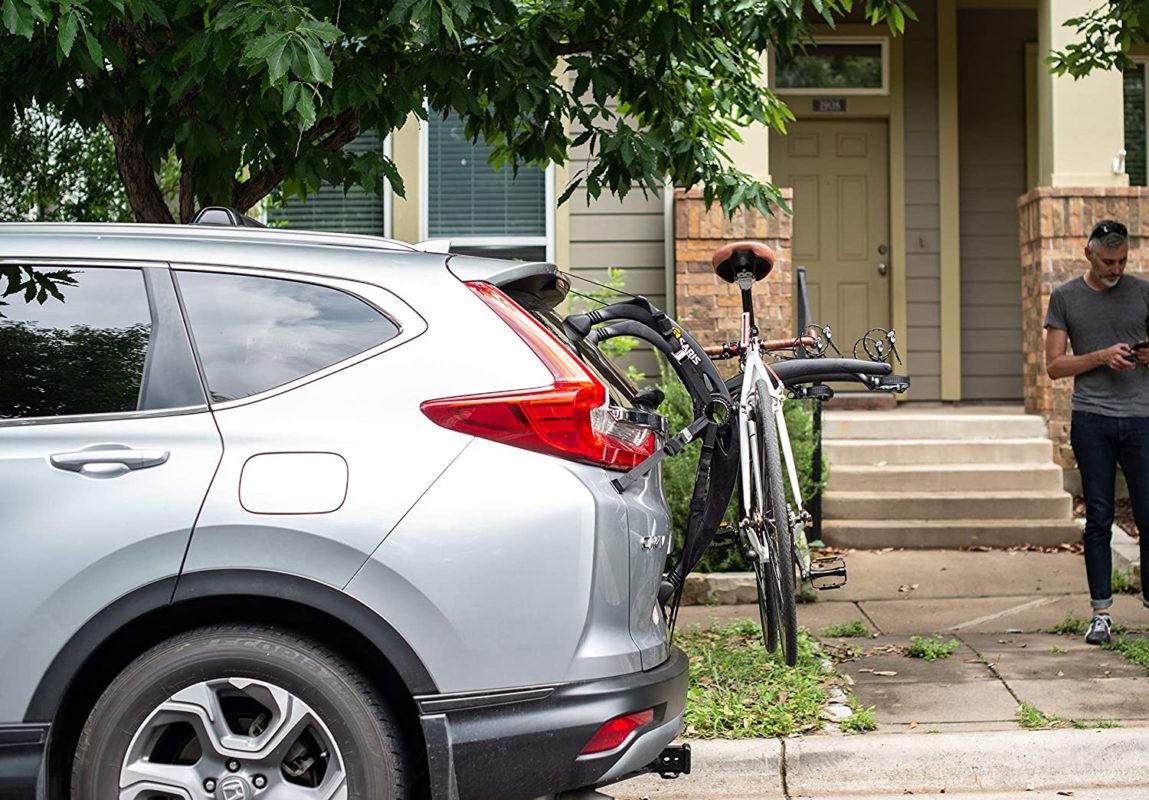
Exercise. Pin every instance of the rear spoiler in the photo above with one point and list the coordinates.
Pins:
(538, 279)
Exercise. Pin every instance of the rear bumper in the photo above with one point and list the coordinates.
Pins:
(525, 743)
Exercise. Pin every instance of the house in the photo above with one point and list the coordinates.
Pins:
(942, 183)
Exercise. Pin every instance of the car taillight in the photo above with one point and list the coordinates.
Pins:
(616, 731)
(570, 418)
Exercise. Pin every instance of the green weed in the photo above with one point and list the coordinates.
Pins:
(1031, 716)
(931, 648)
(855, 628)
(861, 721)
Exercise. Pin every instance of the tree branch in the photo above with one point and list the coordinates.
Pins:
(338, 130)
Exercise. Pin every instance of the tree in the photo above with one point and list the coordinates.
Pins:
(1105, 36)
(53, 171)
(251, 94)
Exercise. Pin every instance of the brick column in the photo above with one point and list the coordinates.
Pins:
(706, 306)
(1054, 224)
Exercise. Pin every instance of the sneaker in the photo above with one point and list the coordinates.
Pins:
(1098, 632)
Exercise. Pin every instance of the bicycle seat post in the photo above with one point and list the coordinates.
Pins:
(745, 281)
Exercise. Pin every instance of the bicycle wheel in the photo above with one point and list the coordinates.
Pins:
(779, 538)
(753, 540)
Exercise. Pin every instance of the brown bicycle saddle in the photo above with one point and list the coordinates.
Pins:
(729, 260)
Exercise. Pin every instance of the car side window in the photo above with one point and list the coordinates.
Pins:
(254, 334)
(81, 349)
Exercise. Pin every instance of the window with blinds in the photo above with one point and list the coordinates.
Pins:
(499, 212)
(332, 209)
(1135, 102)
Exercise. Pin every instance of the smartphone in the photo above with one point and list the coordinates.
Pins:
(1139, 346)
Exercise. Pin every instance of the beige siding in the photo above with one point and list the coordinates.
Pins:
(992, 151)
(922, 340)
(628, 234)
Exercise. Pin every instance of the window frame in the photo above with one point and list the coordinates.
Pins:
(883, 90)
(146, 375)
(1143, 62)
(548, 240)
(405, 318)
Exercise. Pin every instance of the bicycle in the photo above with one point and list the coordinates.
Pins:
(770, 530)
(753, 456)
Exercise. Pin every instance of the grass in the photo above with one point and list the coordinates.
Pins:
(861, 722)
(931, 648)
(1085, 724)
(1073, 626)
(1059, 650)
(1030, 716)
(739, 691)
(853, 629)
(1070, 626)
(1135, 651)
(1123, 582)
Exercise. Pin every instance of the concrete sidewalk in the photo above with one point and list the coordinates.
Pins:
(951, 725)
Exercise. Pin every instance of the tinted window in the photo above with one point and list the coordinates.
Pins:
(254, 334)
(81, 352)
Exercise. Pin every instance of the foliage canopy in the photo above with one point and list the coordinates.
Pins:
(247, 95)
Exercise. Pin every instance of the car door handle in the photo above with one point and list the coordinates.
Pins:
(94, 459)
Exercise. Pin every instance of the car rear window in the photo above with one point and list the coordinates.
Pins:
(622, 390)
(254, 334)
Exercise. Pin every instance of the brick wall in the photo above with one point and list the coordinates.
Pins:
(706, 306)
(1054, 224)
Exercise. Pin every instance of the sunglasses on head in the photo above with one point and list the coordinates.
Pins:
(1102, 229)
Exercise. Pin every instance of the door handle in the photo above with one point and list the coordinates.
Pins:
(882, 268)
(107, 459)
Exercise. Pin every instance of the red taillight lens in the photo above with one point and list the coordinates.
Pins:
(616, 731)
(569, 418)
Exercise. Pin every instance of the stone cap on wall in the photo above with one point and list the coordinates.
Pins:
(1050, 212)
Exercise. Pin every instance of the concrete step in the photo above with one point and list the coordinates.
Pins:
(934, 451)
(925, 425)
(945, 477)
(943, 534)
(1056, 505)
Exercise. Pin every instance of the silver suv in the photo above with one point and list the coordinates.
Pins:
(295, 515)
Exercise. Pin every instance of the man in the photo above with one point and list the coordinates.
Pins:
(1104, 315)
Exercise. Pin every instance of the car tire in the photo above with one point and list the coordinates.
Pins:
(232, 711)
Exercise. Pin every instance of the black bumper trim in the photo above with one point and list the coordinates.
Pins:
(505, 748)
(21, 753)
(443, 703)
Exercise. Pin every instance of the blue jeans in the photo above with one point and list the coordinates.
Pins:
(1101, 443)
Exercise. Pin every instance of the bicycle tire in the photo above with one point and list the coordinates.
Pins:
(767, 605)
(758, 538)
(779, 534)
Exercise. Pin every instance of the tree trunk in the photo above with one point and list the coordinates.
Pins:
(187, 191)
(144, 195)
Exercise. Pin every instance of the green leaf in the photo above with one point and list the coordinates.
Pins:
(324, 31)
(16, 19)
(94, 48)
(278, 61)
(319, 65)
(69, 27)
(305, 108)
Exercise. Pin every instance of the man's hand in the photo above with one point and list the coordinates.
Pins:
(1119, 357)
(1142, 355)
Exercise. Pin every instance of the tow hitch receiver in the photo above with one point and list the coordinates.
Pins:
(828, 572)
(673, 761)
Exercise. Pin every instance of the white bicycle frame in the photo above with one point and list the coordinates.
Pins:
(753, 370)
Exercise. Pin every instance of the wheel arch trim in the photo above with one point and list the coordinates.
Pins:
(168, 593)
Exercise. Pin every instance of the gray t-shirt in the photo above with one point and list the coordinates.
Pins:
(1095, 320)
